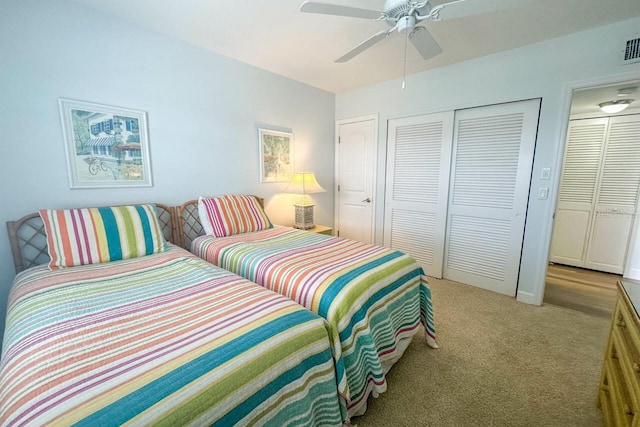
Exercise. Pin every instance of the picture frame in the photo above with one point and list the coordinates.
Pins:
(276, 154)
(106, 146)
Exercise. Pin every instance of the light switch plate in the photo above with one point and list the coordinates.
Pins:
(545, 173)
(543, 193)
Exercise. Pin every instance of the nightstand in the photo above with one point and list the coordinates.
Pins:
(321, 229)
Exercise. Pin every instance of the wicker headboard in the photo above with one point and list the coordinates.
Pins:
(29, 241)
(188, 219)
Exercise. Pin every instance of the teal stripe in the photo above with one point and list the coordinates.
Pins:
(127, 407)
(296, 373)
(340, 282)
(112, 233)
(146, 230)
(321, 411)
(361, 314)
(426, 307)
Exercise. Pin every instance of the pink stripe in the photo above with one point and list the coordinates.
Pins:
(257, 214)
(86, 240)
(365, 395)
(398, 332)
(244, 215)
(213, 213)
(72, 214)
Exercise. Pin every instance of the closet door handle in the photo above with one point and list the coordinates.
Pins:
(367, 200)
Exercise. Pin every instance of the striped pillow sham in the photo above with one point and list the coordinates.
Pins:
(97, 235)
(231, 214)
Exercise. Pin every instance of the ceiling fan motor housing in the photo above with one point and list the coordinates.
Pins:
(397, 11)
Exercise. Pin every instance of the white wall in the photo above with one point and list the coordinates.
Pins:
(548, 70)
(203, 112)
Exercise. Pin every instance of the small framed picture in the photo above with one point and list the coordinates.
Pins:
(106, 146)
(275, 155)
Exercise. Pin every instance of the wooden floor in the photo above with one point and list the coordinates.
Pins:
(589, 291)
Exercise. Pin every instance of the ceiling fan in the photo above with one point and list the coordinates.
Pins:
(404, 16)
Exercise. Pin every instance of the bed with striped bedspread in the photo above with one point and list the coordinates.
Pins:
(165, 339)
(373, 298)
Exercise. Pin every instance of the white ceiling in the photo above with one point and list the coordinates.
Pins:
(276, 36)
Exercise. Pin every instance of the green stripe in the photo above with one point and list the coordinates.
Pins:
(151, 394)
(254, 368)
(129, 232)
(367, 282)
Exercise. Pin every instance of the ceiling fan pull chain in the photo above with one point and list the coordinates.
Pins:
(404, 69)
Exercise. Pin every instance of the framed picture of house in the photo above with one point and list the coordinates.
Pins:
(275, 155)
(106, 146)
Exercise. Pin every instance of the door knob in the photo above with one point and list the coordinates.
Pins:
(368, 200)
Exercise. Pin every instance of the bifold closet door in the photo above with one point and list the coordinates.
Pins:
(578, 185)
(598, 193)
(417, 184)
(616, 197)
(493, 150)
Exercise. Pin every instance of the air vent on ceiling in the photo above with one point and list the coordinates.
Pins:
(631, 51)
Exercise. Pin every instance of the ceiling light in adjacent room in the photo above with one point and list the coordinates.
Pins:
(626, 91)
(612, 107)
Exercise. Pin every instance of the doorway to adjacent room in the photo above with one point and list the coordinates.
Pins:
(597, 204)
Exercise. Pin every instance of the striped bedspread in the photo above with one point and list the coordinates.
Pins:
(165, 339)
(373, 298)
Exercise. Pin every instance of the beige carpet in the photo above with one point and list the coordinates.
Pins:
(500, 363)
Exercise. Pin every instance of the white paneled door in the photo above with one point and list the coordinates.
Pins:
(356, 150)
(417, 184)
(491, 165)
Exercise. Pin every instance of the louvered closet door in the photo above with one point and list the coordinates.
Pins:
(616, 197)
(490, 178)
(580, 176)
(418, 161)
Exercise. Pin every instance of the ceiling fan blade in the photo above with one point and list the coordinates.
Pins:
(364, 45)
(424, 42)
(461, 8)
(333, 9)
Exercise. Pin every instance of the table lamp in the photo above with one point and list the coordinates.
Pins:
(304, 183)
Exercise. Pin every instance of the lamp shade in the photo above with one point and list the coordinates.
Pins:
(304, 183)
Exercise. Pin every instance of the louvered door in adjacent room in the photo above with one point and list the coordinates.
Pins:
(418, 159)
(598, 193)
(617, 196)
(492, 158)
(578, 183)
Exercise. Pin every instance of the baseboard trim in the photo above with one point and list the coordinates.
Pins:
(527, 298)
(633, 273)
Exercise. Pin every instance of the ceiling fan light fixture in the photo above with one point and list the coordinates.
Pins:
(406, 24)
(612, 107)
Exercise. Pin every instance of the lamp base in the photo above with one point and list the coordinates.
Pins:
(304, 217)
